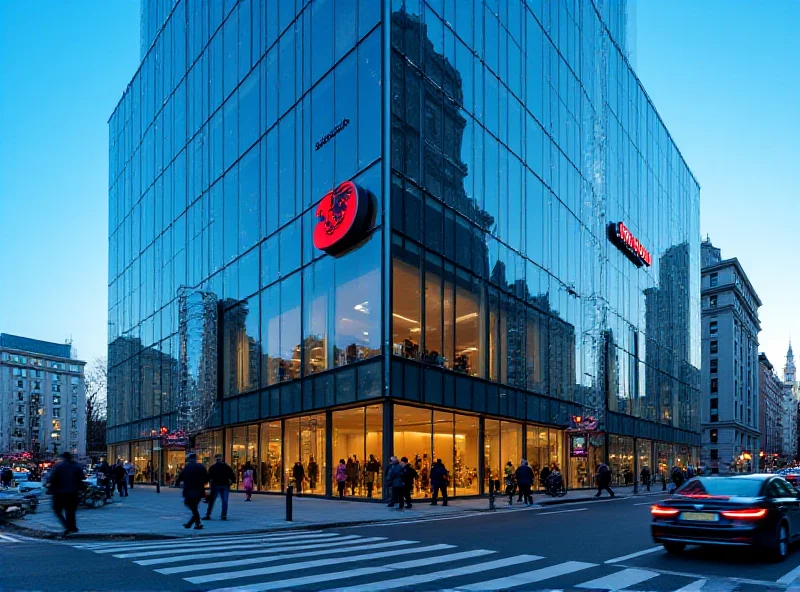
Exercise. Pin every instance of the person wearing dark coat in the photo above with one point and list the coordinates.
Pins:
(104, 478)
(645, 476)
(603, 478)
(409, 477)
(299, 475)
(7, 477)
(439, 482)
(194, 478)
(220, 477)
(120, 478)
(65, 482)
(394, 479)
(524, 476)
(372, 469)
(543, 477)
(352, 469)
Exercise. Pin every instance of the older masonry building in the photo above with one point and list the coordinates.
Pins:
(730, 411)
(42, 397)
(771, 419)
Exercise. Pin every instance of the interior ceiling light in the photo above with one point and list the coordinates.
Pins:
(406, 319)
(466, 317)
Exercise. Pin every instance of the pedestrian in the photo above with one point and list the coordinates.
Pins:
(66, 481)
(313, 473)
(511, 484)
(130, 469)
(409, 478)
(341, 477)
(439, 480)
(373, 468)
(299, 475)
(603, 478)
(394, 479)
(689, 471)
(524, 476)
(120, 478)
(352, 473)
(194, 477)
(645, 476)
(677, 479)
(104, 478)
(248, 480)
(543, 477)
(220, 478)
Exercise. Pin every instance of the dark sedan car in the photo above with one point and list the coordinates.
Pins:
(746, 510)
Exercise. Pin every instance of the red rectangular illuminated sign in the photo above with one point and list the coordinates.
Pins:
(621, 236)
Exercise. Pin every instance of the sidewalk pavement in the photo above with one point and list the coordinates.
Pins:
(145, 514)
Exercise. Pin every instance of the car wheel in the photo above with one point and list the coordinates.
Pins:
(674, 547)
(780, 549)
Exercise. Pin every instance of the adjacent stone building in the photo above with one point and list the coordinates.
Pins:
(770, 406)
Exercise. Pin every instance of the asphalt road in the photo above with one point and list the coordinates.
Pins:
(602, 545)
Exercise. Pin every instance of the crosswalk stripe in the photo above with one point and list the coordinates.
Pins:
(292, 583)
(198, 542)
(438, 575)
(620, 580)
(230, 575)
(172, 541)
(139, 551)
(260, 560)
(262, 550)
(693, 587)
(4, 538)
(530, 577)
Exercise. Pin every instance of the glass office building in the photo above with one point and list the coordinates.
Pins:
(346, 229)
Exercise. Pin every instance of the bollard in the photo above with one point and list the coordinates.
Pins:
(289, 503)
(663, 482)
(491, 494)
(635, 486)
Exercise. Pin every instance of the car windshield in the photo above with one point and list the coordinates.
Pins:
(721, 486)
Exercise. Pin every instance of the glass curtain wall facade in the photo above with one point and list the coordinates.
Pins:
(481, 305)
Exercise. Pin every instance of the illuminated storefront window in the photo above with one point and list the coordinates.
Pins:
(423, 435)
(544, 448)
(242, 445)
(270, 473)
(502, 443)
(304, 442)
(358, 439)
(207, 445)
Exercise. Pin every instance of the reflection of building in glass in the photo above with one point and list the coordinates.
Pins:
(483, 307)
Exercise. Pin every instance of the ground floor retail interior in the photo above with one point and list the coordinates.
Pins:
(473, 448)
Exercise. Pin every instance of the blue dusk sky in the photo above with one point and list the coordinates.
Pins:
(720, 73)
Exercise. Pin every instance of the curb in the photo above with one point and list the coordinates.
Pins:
(619, 496)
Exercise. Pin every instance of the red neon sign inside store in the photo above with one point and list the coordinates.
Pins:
(630, 245)
(343, 214)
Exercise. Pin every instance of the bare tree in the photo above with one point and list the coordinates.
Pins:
(96, 378)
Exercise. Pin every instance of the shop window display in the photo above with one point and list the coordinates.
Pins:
(544, 448)
(304, 439)
(207, 445)
(243, 442)
(620, 459)
(586, 452)
(423, 435)
(269, 477)
(502, 443)
(357, 438)
(142, 458)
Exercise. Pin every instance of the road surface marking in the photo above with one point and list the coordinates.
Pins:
(260, 560)
(4, 538)
(790, 577)
(632, 555)
(693, 587)
(200, 538)
(530, 577)
(230, 575)
(414, 580)
(293, 583)
(648, 503)
(620, 580)
(146, 550)
(717, 578)
(262, 550)
(562, 511)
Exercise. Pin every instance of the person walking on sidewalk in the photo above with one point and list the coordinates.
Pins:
(65, 482)
(524, 476)
(248, 480)
(341, 477)
(394, 479)
(409, 477)
(130, 470)
(299, 475)
(120, 479)
(104, 478)
(439, 479)
(194, 477)
(511, 484)
(372, 469)
(543, 477)
(220, 478)
(645, 476)
(353, 469)
(603, 478)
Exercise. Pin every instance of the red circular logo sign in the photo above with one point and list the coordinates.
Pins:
(342, 216)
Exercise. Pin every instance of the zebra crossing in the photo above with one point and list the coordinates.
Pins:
(6, 539)
(325, 560)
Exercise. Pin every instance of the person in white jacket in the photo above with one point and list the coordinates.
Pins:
(130, 470)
